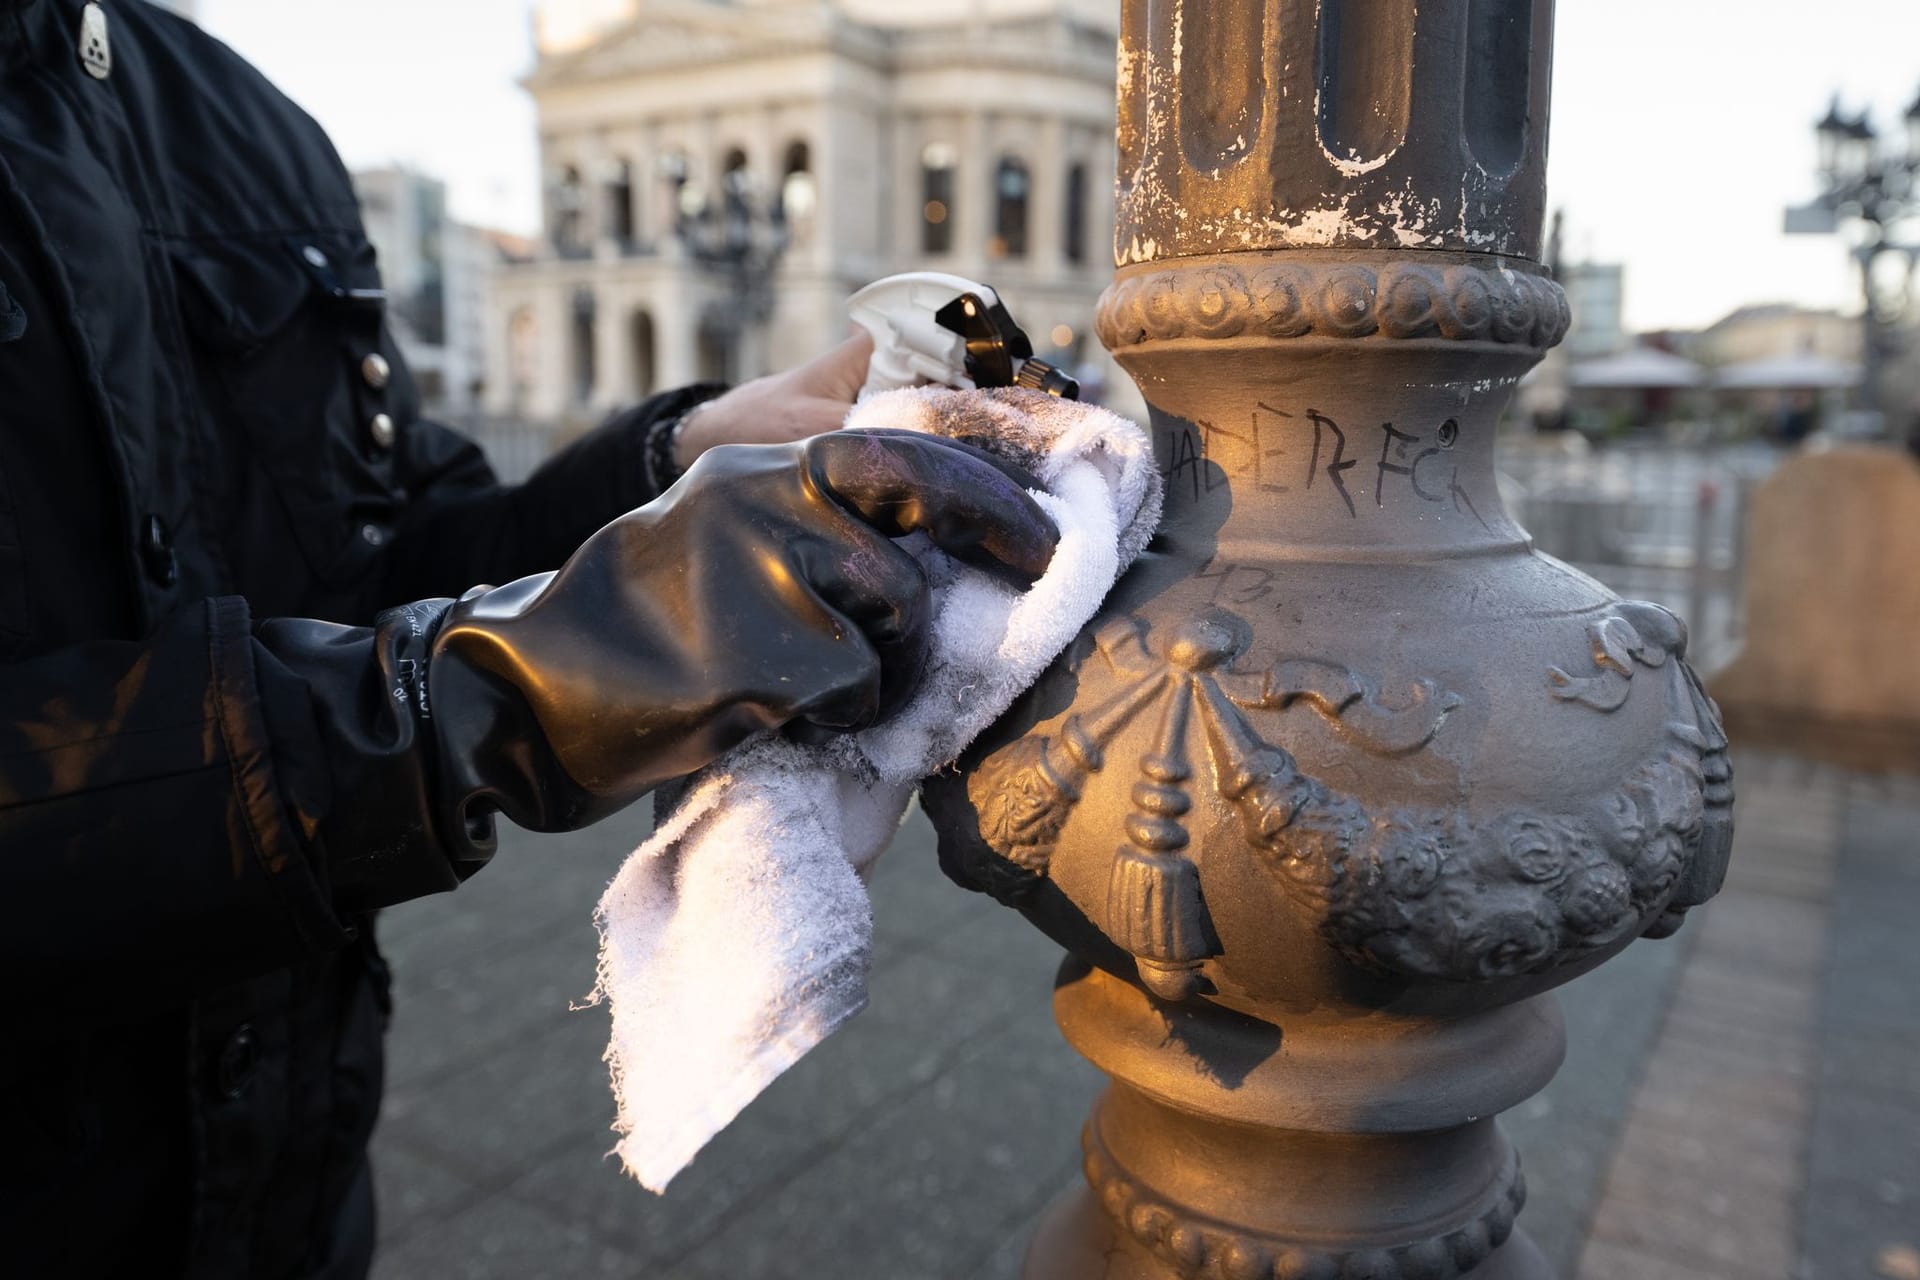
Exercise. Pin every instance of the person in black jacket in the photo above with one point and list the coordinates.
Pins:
(208, 440)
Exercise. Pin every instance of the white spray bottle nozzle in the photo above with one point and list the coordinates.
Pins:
(910, 345)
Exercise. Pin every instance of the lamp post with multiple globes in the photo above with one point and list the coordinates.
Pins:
(1873, 184)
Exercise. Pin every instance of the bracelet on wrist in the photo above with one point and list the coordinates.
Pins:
(663, 440)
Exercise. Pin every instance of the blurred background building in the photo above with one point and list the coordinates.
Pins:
(438, 274)
(718, 178)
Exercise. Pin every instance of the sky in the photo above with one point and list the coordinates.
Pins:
(1681, 128)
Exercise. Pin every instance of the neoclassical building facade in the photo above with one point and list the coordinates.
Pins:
(688, 144)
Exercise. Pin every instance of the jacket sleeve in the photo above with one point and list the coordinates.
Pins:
(225, 799)
(150, 825)
(463, 528)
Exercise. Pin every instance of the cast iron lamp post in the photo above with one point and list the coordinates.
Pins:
(1347, 777)
(740, 243)
(1877, 186)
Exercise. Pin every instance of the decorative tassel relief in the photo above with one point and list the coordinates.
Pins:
(1155, 910)
(1154, 905)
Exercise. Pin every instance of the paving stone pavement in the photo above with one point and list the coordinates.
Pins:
(1705, 1180)
(924, 1140)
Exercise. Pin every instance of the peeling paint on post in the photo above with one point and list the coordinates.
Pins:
(1346, 778)
(1366, 123)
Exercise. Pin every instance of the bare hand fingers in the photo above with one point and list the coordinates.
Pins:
(839, 373)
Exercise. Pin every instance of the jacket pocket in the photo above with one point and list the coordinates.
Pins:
(282, 327)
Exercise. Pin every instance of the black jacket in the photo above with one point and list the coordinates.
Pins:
(190, 1065)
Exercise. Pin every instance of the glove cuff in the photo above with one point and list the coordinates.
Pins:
(373, 865)
(494, 755)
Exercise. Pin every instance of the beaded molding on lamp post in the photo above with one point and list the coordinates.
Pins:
(1217, 298)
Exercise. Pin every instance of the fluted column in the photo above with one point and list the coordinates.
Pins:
(973, 191)
(1343, 123)
(1046, 230)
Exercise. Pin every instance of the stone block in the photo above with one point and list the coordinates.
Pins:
(1832, 610)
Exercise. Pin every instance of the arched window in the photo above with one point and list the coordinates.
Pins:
(682, 197)
(569, 213)
(937, 162)
(714, 352)
(797, 191)
(620, 220)
(640, 335)
(734, 177)
(1010, 189)
(736, 189)
(583, 347)
(1073, 239)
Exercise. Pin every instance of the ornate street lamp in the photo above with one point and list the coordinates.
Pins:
(738, 241)
(1876, 188)
(1913, 132)
(1829, 132)
(1859, 151)
(1347, 777)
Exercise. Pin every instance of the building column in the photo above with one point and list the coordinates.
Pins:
(909, 196)
(613, 352)
(591, 149)
(708, 156)
(497, 349)
(836, 162)
(973, 193)
(676, 325)
(551, 394)
(1047, 198)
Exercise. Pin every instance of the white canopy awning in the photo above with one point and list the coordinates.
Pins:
(1637, 369)
(1803, 372)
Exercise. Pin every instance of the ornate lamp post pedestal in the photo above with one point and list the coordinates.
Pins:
(1347, 777)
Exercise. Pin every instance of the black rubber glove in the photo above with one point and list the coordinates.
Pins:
(763, 590)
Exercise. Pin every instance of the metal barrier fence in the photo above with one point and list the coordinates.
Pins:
(1659, 521)
(514, 447)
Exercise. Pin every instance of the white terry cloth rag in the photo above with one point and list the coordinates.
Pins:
(738, 937)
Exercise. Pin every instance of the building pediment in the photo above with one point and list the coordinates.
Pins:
(676, 34)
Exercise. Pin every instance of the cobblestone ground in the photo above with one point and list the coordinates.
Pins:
(1741, 1101)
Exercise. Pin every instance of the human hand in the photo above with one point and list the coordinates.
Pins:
(782, 407)
(765, 590)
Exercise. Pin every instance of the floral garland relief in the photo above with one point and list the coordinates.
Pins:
(1419, 891)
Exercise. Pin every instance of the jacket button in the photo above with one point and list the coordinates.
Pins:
(381, 429)
(373, 535)
(156, 552)
(376, 371)
(238, 1059)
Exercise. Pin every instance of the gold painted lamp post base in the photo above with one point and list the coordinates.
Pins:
(1396, 1171)
(1347, 777)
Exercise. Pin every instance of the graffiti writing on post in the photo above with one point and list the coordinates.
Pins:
(1309, 453)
